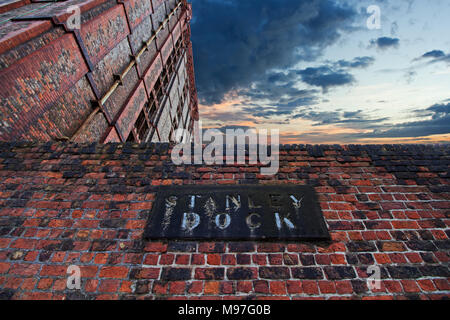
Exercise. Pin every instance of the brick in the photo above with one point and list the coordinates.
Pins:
(277, 287)
(212, 288)
(339, 272)
(177, 287)
(182, 247)
(327, 287)
(259, 259)
(244, 286)
(421, 245)
(405, 225)
(136, 10)
(64, 59)
(144, 273)
(109, 286)
(434, 271)
(290, 259)
(442, 284)
(397, 258)
(198, 259)
(213, 259)
(45, 284)
(242, 273)
(274, 273)
(403, 272)
(261, 286)
(166, 259)
(294, 287)
(160, 288)
(155, 247)
(211, 247)
(381, 258)
(53, 271)
(241, 247)
(176, 274)
(361, 246)
(426, 285)
(275, 259)
(209, 273)
(91, 285)
(391, 246)
(195, 287)
(307, 273)
(230, 259)
(182, 259)
(310, 287)
(99, 43)
(306, 259)
(113, 272)
(410, 286)
(359, 286)
(134, 107)
(270, 247)
(227, 288)
(344, 287)
(393, 286)
(4, 267)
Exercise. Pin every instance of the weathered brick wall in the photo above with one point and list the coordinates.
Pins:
(50, 74)
(87, 205)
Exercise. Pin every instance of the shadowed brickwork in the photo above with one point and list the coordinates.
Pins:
(87, 205)
(113, 80)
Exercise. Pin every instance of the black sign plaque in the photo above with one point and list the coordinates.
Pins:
(236, 213)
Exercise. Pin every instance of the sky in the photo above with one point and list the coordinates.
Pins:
(325, 71)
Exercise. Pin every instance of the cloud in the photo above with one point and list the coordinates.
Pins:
(277, 93)
(394, 28)
(438, 123)
(410, 75)
(325, 77)
(358, 62)
(384, 43)
(334, 74)
(349, 119)
(435, 56)
(237, 42)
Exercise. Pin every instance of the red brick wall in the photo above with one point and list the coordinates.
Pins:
(87, 205)
(45, 66)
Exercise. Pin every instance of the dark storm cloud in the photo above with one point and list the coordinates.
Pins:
(385, 43)
(439, 123)
(277, 93)
(334, 74)
(325, 77)
(236, 42)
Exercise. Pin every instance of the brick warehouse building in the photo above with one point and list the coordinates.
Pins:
(74, 203)
(65, 204)
(125, 75)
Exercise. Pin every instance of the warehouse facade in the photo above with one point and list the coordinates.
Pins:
(125, 75)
